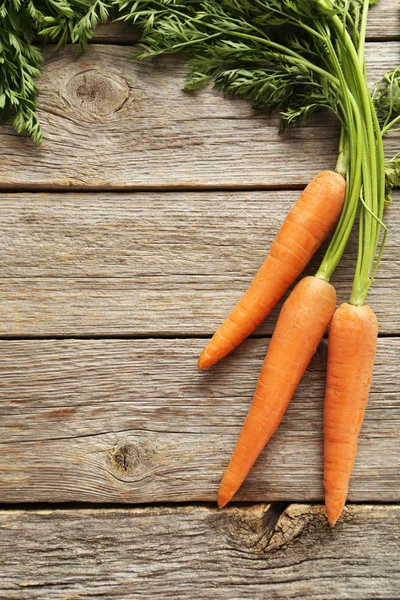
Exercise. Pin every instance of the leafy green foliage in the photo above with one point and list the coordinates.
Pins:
(259, 50)
(21, 21)
(74, 21)
(386, 97)
(20, 63)
(392, 177)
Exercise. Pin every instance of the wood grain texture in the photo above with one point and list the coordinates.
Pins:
(134, 421)
(121, 33)
(197, 552)
(108, 122)
(152, 263)
(384, 20)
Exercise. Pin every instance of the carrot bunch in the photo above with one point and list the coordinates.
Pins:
(298, 56)
(310, 308)
(302, 322)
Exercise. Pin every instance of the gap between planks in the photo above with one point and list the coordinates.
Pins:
(159, 189)
(145, 336)
(244, 504)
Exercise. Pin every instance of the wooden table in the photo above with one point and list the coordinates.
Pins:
(125, 240)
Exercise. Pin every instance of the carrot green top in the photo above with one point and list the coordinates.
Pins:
(367, 186)
(298, 56)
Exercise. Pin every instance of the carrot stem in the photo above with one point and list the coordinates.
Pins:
(365, 187)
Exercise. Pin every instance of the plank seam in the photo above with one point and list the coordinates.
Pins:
(278, 504)
(145, 336)
(54, 189)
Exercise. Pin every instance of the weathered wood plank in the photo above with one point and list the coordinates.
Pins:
(134, 421)
(384, 20)
(125, 33)
(383, 23)
(197, 552)
(109, 122)
(151, 263)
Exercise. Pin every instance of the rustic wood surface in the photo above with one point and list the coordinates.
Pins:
(108, 122)
(384, 20)
(152, 263)
(101, 239)
(134, 421)
(187, 552)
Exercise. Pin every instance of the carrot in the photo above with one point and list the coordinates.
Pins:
(306, 226)
(301, 324)
(351, 352)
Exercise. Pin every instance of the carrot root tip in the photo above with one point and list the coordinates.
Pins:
(224, 497)
(204, 361)
(333, 516)
(222, 502)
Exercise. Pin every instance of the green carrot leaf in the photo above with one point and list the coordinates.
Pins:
(392, 177)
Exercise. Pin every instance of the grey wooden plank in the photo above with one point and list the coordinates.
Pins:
(152, 263)
(197, 552)
(109, 122)
(134, 421)
(119, 32)
(384, 20)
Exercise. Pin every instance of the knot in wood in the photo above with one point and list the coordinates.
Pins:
(96, 95)
(132, 458)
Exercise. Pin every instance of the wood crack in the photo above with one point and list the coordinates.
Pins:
(270, 521)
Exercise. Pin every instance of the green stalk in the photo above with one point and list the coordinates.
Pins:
(370, 149)
(353, 131)
(389, 125)
(367, 267)
(363, 33)
(342, 163)
(373, 169)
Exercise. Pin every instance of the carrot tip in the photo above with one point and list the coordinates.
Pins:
(223, 499)
(205, 361)
(200, 364)
(333, 516)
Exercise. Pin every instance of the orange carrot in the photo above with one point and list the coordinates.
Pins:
(306, 226)
(351, 351)
(302, 321)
